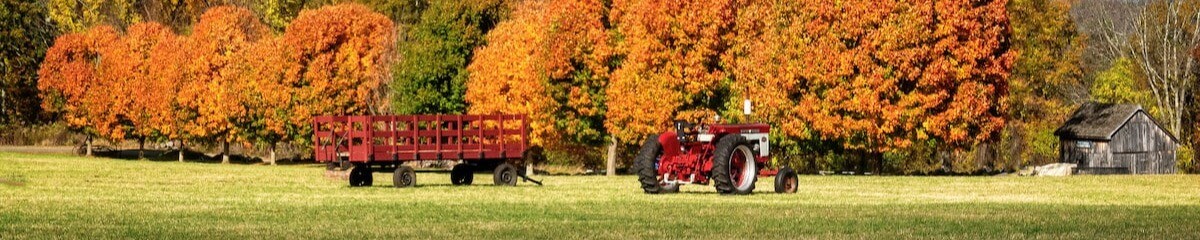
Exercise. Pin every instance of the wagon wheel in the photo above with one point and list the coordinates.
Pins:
(404, 177)
(505, 175)
(360, 176)
(733, 169)
(786, 181)
(462, 174)
(646, 166)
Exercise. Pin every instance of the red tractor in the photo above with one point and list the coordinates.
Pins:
(729, 156)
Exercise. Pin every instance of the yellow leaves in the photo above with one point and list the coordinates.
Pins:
(673, 63)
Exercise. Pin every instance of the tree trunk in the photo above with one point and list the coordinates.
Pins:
(879, 161)
(611, 160)
(273, 144)
(225, 152)
(861, 169)
(181, 150)
(89, 146)
(141, 148)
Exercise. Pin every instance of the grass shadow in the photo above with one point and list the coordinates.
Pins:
(172, 155)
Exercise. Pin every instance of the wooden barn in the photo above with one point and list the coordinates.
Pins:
(1116, 139)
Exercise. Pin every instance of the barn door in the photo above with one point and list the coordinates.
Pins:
(1082, 152)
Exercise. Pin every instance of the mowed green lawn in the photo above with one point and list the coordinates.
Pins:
(59, 196)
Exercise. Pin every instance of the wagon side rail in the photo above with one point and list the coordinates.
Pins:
(420, 137)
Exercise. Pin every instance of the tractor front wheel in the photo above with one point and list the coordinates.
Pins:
(785, 181)
(645, 164)
(360, 175)
(733, 168)
(462, 174)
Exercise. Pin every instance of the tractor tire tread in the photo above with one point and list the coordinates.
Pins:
(643, 165)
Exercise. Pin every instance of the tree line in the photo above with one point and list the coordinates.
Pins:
(869, 77)
(230, 80)
(885, 86)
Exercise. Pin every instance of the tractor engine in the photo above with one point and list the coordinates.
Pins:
(729, 156)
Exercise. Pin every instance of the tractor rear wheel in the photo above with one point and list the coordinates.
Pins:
(733, 168)
(462, 174)
(505, 175)
(645, 164)
(360, 175)
(404, 177)
(785, 181)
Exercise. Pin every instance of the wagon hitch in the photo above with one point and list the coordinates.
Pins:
(527, 179)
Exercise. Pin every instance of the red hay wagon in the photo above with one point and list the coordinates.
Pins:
(383, 143)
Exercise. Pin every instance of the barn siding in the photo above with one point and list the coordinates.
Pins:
(1139, 146)
(1143, 146)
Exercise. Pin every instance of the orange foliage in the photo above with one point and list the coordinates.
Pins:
(231, 80)
(550, 62)
(211, 99)
(508, 75)
(879, 74)
(672, 67)
(167, 75)
(69, 72)
(135, 97)
(342, 52)
(268, 92)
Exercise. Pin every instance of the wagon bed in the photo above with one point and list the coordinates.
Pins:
(479, 141)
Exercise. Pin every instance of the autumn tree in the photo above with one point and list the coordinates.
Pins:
(671, 67)
(1047, 80)
(168, 75)
(211, 102)
(1161, 46)
(145, 92)
(25, 34)
(70, 70)
(338, 60)
(879, 75)
(269, 93)
(431, 73)
(1122, 84)
(579, 55)
(554, 74)
(509, 74)
(551, 61)
(1157, 36)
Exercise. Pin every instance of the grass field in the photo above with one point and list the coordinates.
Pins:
(59, 196)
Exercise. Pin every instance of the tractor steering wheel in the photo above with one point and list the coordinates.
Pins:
(682, 130)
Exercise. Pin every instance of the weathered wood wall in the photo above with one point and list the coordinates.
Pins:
(1139, 146)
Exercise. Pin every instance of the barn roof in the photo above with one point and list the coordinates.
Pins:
(1099, 121)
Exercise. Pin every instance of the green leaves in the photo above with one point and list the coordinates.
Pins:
(435, 52)
(24, 37)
